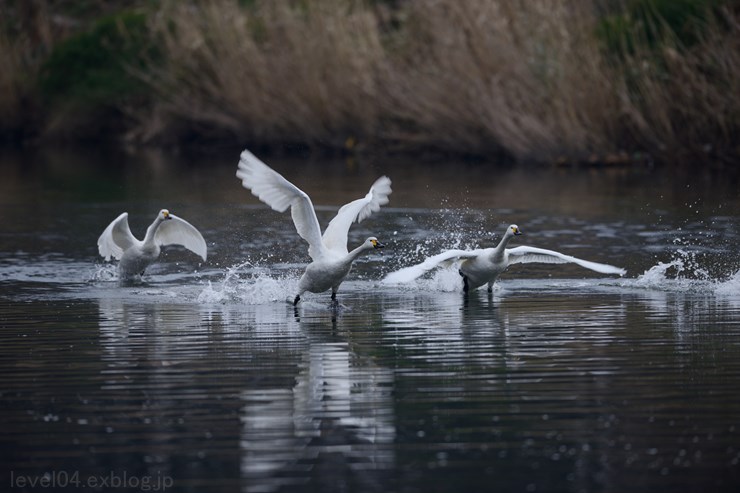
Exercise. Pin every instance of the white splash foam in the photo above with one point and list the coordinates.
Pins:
(686, 274)
(665, 276)
(260, 287)
(445, 280)
(730, 287)
(104, 273)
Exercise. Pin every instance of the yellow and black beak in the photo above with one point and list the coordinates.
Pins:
(377, 244)
(517, 231)
(166, 215)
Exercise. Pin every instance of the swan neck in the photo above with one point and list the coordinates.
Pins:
(358, 251)
(504, 241)
(152, 230)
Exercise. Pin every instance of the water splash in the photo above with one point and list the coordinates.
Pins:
(249, 284)
(434, 232)
(446, 280)
(104, 273)
(730, 287)
(686, 272)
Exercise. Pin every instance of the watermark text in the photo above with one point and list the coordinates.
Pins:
(73, 479)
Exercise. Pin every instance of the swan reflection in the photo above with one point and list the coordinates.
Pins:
(335, 424)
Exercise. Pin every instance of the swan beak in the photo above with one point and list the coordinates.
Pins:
(377, 244)
(166, 215)
(517, 232)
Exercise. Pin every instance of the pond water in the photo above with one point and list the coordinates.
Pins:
(203, 377)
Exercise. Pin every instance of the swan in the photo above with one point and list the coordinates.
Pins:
(483, 266)
(331, 261)
(136, 255)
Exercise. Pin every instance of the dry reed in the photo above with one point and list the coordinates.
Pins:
(531, 79)
(683, 104)
(11, 93)
(277, 73)
(519, 75)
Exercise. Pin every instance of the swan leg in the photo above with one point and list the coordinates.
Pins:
(334, 301)
(297, 299)
(466, 286)
(490, 287)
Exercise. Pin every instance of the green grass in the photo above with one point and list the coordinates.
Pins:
(650, 24)
(94, 68)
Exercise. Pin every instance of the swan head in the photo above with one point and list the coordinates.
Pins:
(164, 214)
(373, 242)
(513, 230)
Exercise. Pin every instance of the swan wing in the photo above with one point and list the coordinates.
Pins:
(408, 274)
(335, 236)
(277, 192)
(116, 238)
(177, 231)
(527, 254)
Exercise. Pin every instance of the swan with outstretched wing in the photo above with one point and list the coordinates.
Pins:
(136, 255)
(483, 266)
(331, 260)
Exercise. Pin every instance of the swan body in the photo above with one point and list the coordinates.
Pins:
(483, 266)
(136, 255)
(331, 260)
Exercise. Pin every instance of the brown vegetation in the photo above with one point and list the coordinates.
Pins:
(274, 73)
(531, 79)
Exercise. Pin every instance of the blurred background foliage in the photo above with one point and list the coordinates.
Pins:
(602, 81)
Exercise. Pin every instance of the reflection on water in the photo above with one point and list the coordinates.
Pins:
(337, 421)
(560, 380)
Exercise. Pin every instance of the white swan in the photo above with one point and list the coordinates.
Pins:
(331, 259)
(136, 255)
(483, 266)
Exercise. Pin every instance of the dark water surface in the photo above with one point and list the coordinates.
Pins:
(204, 378)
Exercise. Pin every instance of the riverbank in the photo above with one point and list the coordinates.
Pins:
(544, 81)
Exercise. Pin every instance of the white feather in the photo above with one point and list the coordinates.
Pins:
(135, 255)
(527, 254)
(331, 259)
(277, 192)
(408, 274)
(335, 236)
(116, 238)
(483, 266)
(177, 231)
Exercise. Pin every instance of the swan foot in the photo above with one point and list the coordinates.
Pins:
(466, 285)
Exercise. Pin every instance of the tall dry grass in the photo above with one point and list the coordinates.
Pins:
(26, 35)
(523, 76)
(683, 103)
(531, 79)
(527, 78)
(11, 93)
(518, 76)
(29, 30)
(281, 72)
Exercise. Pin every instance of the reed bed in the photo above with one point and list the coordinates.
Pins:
(274, 73)
(534, 80)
